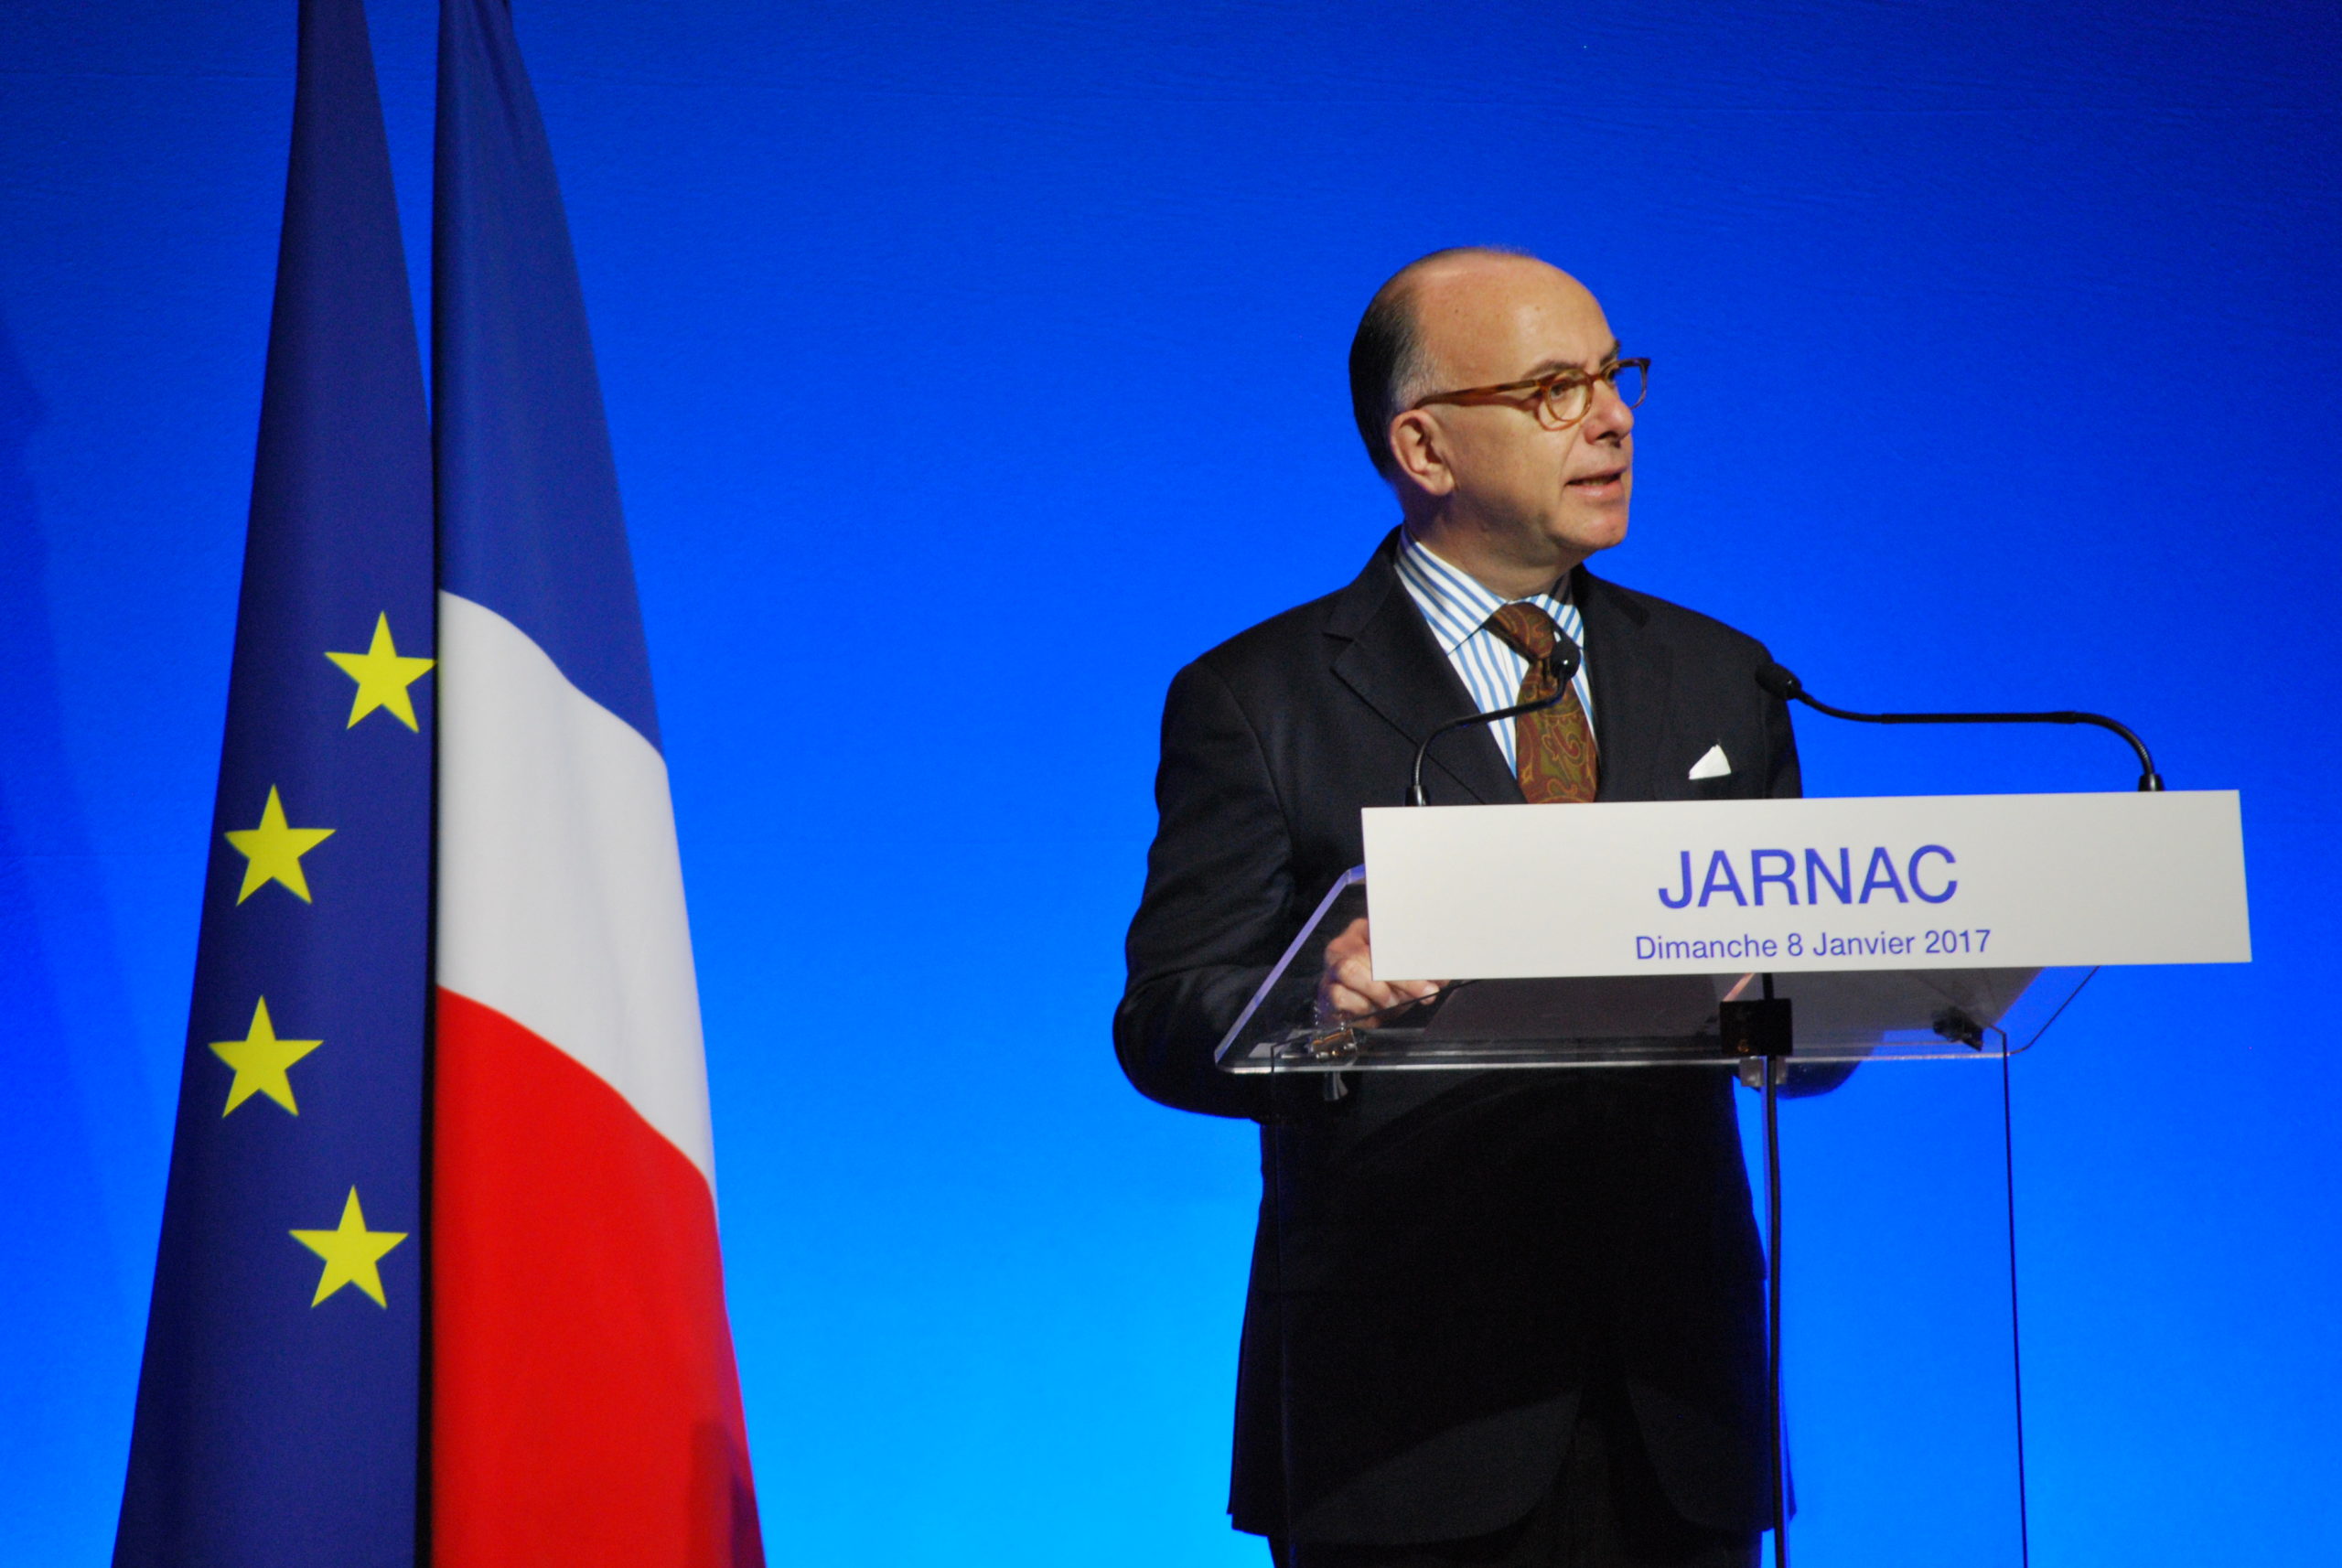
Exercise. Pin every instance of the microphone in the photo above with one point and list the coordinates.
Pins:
(1783, 683)
(1561, 665)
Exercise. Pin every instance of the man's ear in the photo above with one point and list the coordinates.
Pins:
(1418, 450)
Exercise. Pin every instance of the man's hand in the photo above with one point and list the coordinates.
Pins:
(1346, 987)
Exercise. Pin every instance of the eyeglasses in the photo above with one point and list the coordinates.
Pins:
(1560, 400)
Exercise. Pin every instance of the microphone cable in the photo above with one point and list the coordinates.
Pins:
(1781, 684)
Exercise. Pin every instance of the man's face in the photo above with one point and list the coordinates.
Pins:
(1529, 491)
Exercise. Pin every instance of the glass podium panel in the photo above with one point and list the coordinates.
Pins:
(1921, 1015)
(1453, 1269)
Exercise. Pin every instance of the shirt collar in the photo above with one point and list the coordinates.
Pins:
(1454, 602)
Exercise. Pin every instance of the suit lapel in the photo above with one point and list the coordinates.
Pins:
(1383, 651)
(1631, 674)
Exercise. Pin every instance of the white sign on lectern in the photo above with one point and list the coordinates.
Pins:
(1900, 882)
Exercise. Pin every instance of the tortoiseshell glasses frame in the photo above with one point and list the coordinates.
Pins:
(1560, 400)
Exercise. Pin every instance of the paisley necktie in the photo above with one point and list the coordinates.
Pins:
(1552, 747)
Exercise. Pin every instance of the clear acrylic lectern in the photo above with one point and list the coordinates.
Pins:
(1918, 1014)
(1633, 1021)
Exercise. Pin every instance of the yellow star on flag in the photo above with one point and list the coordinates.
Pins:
(351, 1252)
(384, 675)
(259, 1060)
(273, 851)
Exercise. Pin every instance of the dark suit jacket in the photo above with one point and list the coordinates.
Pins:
(1442, 1257)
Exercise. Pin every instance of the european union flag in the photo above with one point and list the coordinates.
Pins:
(279, 1404)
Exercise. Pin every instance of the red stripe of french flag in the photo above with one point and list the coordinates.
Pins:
(585, 1407)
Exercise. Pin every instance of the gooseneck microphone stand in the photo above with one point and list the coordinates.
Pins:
(1780, 682)
(1783, 684)
(1561, 665)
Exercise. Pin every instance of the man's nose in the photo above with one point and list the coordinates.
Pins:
(1608, 416)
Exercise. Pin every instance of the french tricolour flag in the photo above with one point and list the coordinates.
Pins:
(584, 1409)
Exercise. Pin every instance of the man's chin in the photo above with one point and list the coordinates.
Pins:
(1587, 534)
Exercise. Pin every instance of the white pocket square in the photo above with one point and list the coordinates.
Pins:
(1713, 764)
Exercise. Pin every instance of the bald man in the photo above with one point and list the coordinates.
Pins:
(1495, 1318)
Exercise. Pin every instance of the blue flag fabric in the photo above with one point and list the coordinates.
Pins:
(278, 1418)
(528, 518)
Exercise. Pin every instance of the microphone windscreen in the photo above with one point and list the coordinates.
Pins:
(1564, 659)
(1778, 682)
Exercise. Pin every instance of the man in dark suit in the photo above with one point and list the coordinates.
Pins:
(1494, 1317)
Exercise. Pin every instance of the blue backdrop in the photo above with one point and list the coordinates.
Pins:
(1997, 354)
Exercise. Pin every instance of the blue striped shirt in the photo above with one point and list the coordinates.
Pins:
(1458, 609)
